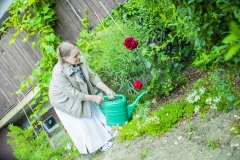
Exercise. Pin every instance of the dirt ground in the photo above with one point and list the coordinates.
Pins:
(181, 142)
(200, 139)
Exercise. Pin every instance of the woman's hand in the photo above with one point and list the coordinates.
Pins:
(110, 93)
(97, 99)
(105, 88)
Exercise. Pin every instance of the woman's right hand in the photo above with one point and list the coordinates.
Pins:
(97, 99)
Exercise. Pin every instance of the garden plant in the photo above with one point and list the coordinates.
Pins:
(168, 36)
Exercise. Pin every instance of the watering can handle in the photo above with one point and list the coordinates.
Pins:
(115, 96)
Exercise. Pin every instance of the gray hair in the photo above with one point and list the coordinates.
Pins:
(64, 50)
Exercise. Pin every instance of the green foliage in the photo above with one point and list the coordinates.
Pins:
(213, 92)
(211, 145)
(158, 122)
(106, 54)
(36, 17)
(230, 49)
(171, 35)
(191, 128)
(145, 153)
(234, 39)
(142, 110)
(26, 145)
(201, 23)
(157, 61)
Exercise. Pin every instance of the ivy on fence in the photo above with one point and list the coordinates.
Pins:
(37, 18)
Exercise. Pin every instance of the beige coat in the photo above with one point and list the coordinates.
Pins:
(67, 89)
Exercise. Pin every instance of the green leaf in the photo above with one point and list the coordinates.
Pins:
(23, 87)
(229, 39)
(45, 98)
(32, 103)
(33, 121)
(33, 44)
(149, 64)
(30, 79)
(52, 37)
(39, 122)
(45, 9)
(232, 51)
(19, 92)
(230, 98)
(190, 1)
(25, 39)
(237, 103)
(31, 2)
(218, 49)
(13, 40)
(234, 29)
(43, 111)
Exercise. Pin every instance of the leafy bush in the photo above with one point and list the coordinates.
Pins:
(26, 145)
(158, 122)
(106, 54)
(157, 61)
(214, 92)
(142, 110)
(35, 17)
(203, 24)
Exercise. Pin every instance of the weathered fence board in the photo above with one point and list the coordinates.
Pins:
(18, 60)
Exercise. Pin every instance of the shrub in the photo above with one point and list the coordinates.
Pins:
(158, 122)
(27, 145)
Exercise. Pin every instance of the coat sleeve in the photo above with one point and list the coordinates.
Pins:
(67, 88)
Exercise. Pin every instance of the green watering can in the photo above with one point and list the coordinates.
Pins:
(117, 111)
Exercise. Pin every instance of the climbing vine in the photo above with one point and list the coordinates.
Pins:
(36, 17)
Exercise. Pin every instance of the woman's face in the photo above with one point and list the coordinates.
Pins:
(74, 57)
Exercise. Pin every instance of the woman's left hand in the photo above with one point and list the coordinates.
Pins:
(110, 94)
(104, 88)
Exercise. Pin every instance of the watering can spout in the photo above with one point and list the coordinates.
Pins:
(132, 106)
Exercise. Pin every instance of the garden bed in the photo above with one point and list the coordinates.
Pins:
(207, 138)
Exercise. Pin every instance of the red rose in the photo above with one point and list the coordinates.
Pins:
(137, 85)
(130, 43)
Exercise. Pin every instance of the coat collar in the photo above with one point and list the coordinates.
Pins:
(67, 69)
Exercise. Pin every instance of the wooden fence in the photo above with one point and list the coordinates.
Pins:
(18, 60)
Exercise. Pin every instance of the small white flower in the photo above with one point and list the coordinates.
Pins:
(213, 106)
(217, 99)
(196, 98)
(137, 116)
(196, 109)
(154, 119)
(209, 100)
(202, 90)
(154, 101)
(138, 126)
(194, 93)
(68, 146)
(189, 99)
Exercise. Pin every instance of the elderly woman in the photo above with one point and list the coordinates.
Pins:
(72, 95)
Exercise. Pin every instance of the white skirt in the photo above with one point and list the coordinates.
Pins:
(88, 134)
